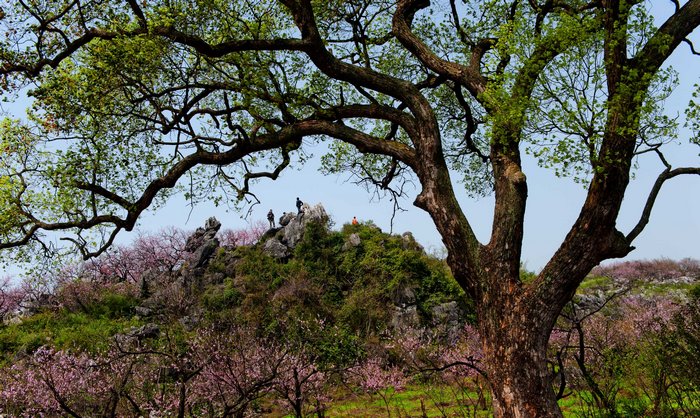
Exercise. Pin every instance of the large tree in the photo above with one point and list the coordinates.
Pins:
(130, 97)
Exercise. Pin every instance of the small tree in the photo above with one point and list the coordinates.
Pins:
(300, 384)
(375, 377)
(238, 368)
(11, 298)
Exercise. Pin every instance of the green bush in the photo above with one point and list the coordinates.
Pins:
(223, 296)
(112, 305)
(63, 330)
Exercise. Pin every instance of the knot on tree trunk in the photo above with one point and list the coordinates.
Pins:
(617, 245)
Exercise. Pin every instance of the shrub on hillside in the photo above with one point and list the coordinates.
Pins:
(660, 269)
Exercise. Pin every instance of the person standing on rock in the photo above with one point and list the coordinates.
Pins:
(271, 218)
(299, 204)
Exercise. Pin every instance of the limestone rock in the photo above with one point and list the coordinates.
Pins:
(148, 278)
(145, 332)
(203, 243)
(190, 322)
(203, 254)
(408, 242)
(202, 235)
(446, 312)
(275, 249)
(293, 232)
(447, 320)
(143, 311)
(286, 218)
(404, 296)
(353, 241)
(404, 319)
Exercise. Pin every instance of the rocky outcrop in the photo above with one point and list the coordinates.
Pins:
(404, 319)
(202, 245)
(408, 242)
(276, 249)
(352, 241)
(292, 230)
(203, 242)
(448, 320)
(404, 296)
(405, 316)
(136, 334)
(286, 218)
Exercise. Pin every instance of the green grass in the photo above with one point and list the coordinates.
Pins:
(414, 401)
(428, 400)
(594, 283)
(62, 330)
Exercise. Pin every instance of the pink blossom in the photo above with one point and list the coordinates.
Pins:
(247, 236)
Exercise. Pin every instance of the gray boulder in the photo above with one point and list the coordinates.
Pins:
(143, 311)
(404, 319)
(275, 249)
(203, 243)
(353, 241)
(404, 296)
(135, 334)
(293, 232)
(202, 235)
(190, 322)
(446, 313)
(203, 254)
(286, 218)
(148, 278)
(447, 321)
(147, 331)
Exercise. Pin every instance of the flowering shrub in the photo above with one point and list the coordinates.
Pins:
(246, 236)
(110, 299)
(373, 375)
(301, 384)
(215, 373)
(453, 359)
(611, 350)
(55, 383)
(658, 270)
(11, 298)
(237, 368)
(161, 252)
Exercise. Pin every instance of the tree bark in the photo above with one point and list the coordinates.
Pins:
(514, 340)
(520, 383)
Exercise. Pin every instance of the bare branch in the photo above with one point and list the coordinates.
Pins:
(667, 174)
(692, 47)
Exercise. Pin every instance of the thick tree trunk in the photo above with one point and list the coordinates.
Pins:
(515, 331)
(520, 382)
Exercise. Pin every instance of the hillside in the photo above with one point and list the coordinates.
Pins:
(302, 319)
(328, 296)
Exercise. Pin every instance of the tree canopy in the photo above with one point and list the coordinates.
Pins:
(131, 99)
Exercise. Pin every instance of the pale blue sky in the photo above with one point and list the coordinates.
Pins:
(553, 203)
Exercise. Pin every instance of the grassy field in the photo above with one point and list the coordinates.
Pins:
(425, 401)
(429, 401)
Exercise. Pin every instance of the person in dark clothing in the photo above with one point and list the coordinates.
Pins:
(271, 218)
(299, 203)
